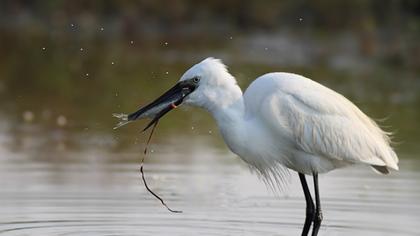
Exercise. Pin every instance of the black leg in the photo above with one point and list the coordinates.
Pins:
(310, 209)
(318, 212)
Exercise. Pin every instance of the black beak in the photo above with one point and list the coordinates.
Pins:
(163, 104)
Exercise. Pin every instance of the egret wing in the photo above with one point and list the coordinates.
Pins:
(322, 122)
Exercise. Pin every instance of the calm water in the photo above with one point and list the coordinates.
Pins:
(218, 195)
(64, 171)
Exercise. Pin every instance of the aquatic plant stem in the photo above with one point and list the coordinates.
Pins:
(142, 172)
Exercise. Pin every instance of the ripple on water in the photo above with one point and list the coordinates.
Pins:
(224, 199)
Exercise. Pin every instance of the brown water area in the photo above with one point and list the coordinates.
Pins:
(65, 68)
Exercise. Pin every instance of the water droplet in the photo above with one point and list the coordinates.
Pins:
(167, 72)
(116, 94)
(61, 120)
(72, 25)
(210, 132)
(81, 49)
(112, 63)
(28, 116)
(166, 43)
(300, 19)
(43, 48)
(192, 127)
(230, 37)
(152, 151)
(102, 28)
(266, 49)
(87, 74)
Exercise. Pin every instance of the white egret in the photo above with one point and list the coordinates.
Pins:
(282, 120)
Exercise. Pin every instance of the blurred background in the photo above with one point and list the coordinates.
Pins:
(66, 66)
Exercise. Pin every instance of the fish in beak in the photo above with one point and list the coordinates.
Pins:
(162, 105)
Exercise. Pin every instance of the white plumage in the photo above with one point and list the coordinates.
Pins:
(323, 129)
(289, 120)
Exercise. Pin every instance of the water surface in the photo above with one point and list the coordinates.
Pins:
(217, 193)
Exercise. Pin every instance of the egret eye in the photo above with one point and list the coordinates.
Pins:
(196, 79)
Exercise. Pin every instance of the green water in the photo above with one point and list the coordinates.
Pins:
(87, 86)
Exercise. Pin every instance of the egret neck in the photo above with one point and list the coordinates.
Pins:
(226, 105)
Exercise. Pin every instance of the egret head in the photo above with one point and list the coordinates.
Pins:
(207, 84)
(212, 82)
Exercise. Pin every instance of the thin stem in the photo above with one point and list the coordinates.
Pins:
(142, 172)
